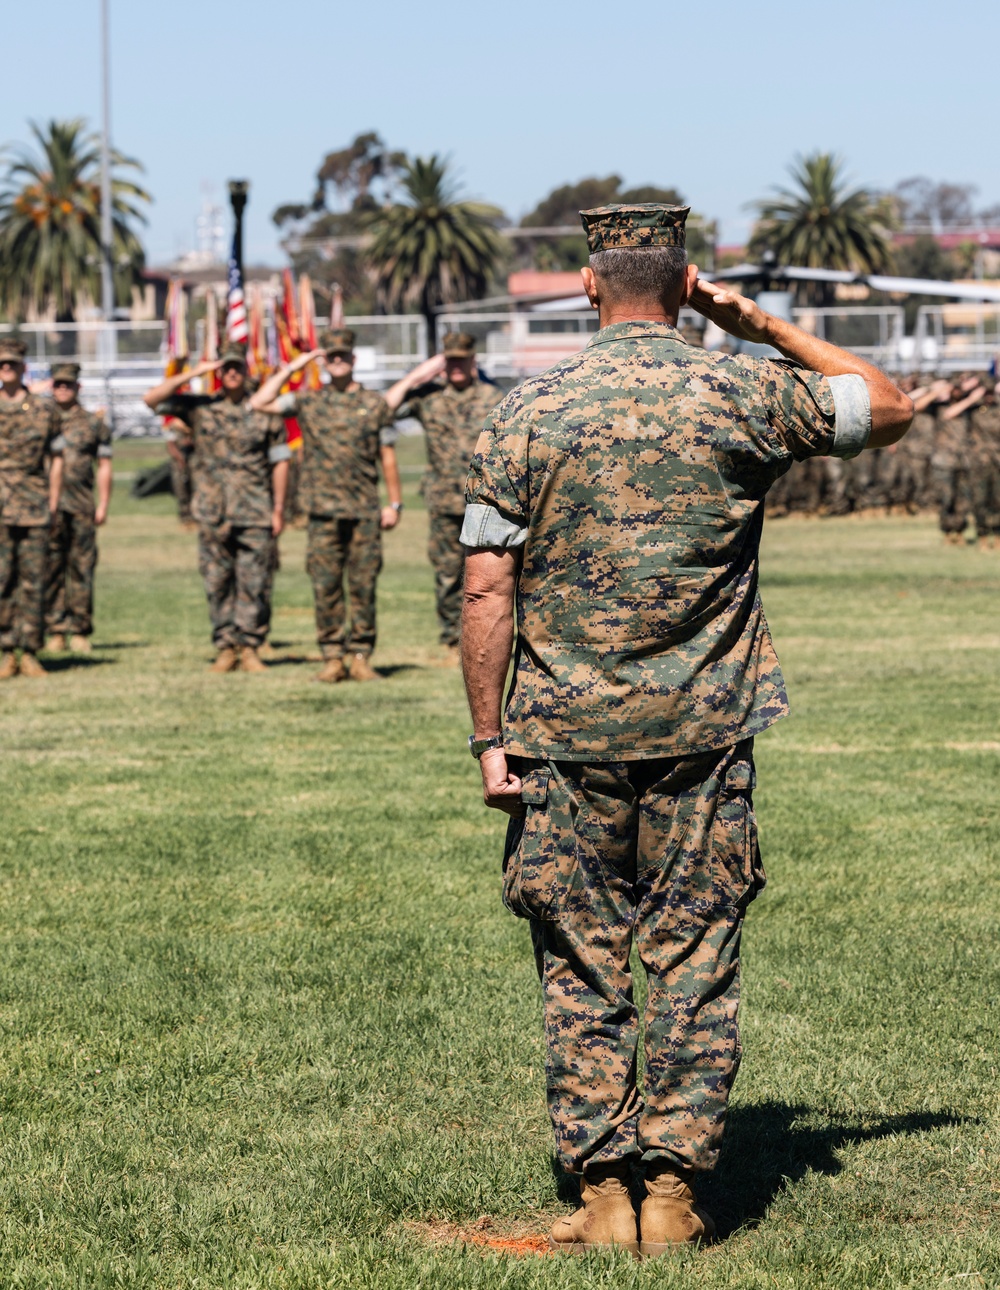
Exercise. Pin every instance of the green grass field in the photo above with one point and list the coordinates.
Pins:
(266, 1024)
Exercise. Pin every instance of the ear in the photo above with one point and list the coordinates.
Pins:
(590, 285)
(690, 278)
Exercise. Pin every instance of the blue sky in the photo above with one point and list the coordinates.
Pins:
(714, 99)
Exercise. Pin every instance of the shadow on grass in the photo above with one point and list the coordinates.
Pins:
(100, 645)
(773, 1143)
(765, 1149)
(297, 660)
(74, 661)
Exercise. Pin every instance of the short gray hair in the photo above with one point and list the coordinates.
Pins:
(640, 273)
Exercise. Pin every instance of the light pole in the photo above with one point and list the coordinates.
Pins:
(238, 191)
(107, 280)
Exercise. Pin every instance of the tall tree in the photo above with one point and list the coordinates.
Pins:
(50, 223)
(921, 201)
(325, 234)
(562, 208)
(822, 223)
(430, 249)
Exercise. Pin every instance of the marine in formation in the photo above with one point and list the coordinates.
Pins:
(31, 466)
(239, 471)
(87, 461)
(452, 417)
(615, 508)
(347, 438)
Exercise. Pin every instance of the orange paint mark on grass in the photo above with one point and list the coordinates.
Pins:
(519, 1245)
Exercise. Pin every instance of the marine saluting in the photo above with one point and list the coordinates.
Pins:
(615, 507)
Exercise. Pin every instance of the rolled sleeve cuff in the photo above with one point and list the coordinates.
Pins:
(57, 445)
(285, 404)
(853, 414)
(280, 452)
(484, 526)
(105, 450)
(387, 436)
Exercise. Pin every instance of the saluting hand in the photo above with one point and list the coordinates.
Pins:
(729, 310)
(427, 370)
(206, 366)
(501, 789)
(304, 360)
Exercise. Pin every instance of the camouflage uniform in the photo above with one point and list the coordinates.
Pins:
(69, 601)
(180, 474)
(233, 455)
(452, 420)
(633, 477)
(950, 472)
(29, 433)
(984, 462)
(914, 455)
(342, 432)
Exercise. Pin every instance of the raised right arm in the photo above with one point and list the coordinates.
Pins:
(160, 393)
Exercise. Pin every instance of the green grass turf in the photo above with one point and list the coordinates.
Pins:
(266, 1024)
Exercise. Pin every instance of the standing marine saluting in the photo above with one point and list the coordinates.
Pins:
(615, 505)
(347, 435)
(239, 469)
(452, 416)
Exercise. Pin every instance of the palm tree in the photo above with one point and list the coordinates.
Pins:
(821, 224)
(431, 249)
(50, 223)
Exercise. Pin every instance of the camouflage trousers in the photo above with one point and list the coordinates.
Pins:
(69, 594)
(912, 484)
(293, 500)
(237, 568)
(986, 496)
(180, 483)
(447, 557)
(662, 853)
(23, 558)
(337, 547)
(951, 492)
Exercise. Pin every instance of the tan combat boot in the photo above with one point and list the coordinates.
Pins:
(30, 665)
(8, 665)
(56, 643)
(333, 671)
(671, 1215)
(606, 1219)
(362, 670)
(226, 661)
(250, 660)
(80, 644)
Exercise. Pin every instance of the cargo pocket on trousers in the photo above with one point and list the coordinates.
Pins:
(737, 871)
(531, 862)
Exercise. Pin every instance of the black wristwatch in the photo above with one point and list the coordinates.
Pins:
(478, 746)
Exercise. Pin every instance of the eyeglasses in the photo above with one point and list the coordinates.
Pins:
(64, 385)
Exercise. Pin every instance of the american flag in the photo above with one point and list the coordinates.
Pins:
(236, 313)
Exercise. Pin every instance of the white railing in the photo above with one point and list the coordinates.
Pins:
(119, 361)
(956, 337)
(514, 345)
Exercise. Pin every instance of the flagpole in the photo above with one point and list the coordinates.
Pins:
(107, 281)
